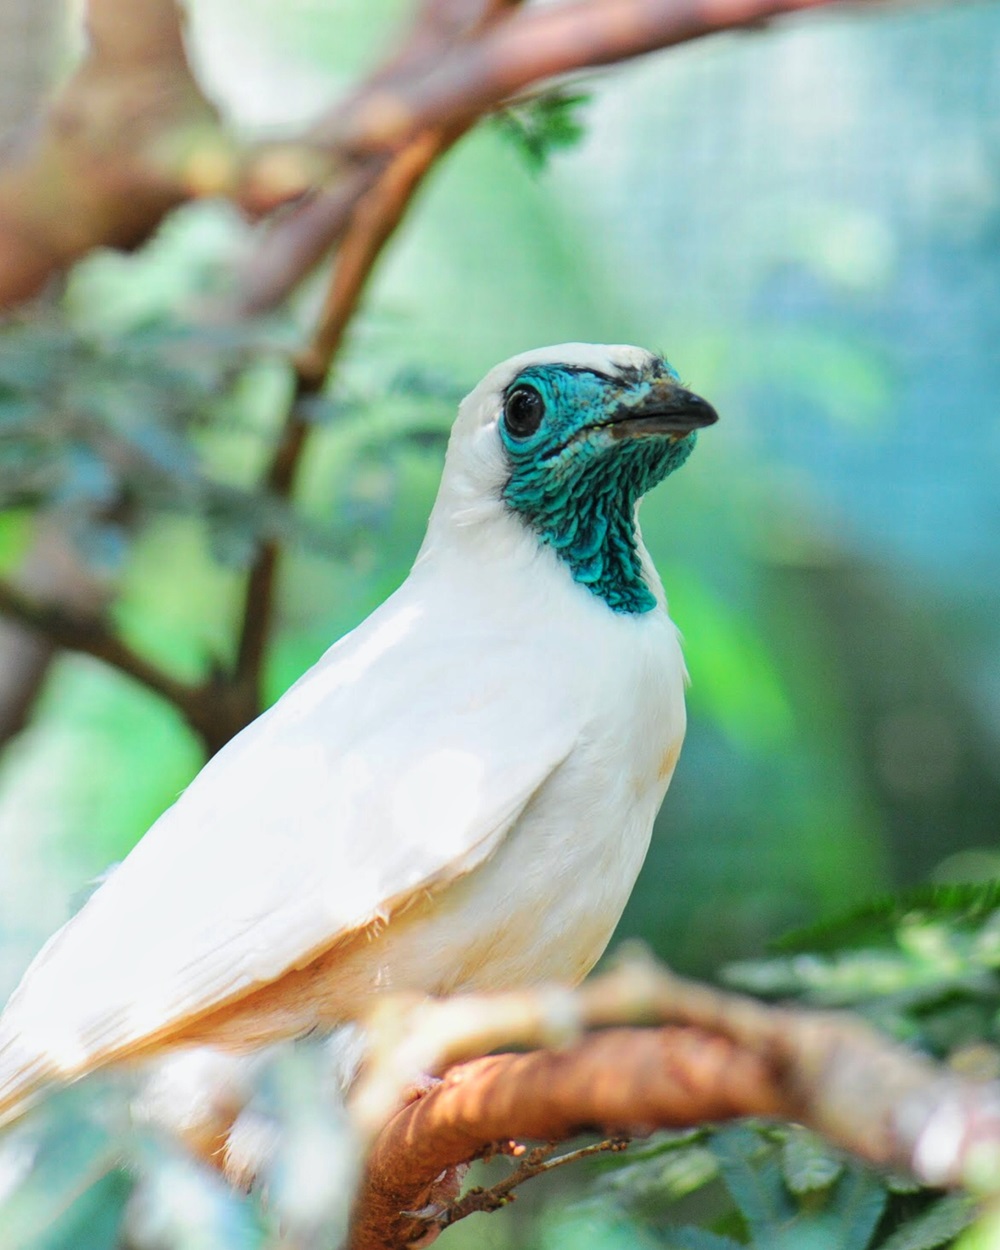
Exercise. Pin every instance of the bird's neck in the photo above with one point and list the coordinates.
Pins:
(588, 521)
(588, 518)
(602, 550)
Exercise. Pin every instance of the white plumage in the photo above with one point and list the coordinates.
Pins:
(458, 795)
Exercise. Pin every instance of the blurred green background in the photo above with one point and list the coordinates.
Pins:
(806, 219)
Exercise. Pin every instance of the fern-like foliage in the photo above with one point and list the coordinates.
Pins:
(926, 967)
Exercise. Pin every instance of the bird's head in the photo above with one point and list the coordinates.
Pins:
(569, 439)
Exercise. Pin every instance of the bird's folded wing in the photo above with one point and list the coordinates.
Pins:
(380, 774)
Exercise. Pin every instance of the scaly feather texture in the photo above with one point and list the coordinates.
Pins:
(583, 501)
(458, 795)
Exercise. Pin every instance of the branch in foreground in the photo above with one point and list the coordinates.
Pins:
(619, 1081)
(723, 1056)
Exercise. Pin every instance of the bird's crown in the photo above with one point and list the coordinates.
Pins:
(570, 438)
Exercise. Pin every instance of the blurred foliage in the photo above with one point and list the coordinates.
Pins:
(774, 1187)
(924, 967)
(98, 433)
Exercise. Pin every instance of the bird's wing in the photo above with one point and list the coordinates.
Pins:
(395, 765)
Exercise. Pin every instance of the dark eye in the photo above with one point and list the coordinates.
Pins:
(523, 410)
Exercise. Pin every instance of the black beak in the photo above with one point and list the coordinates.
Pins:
(665, 409)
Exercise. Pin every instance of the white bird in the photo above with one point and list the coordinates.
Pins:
(458, 796)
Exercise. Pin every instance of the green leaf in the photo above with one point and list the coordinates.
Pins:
(858, 1203)
(808, 1164)
(753, 1177)
(934, 1226)
(876, 920)
(544, 124)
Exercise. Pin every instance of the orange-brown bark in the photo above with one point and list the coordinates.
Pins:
(620, 1081)
(715, 1056)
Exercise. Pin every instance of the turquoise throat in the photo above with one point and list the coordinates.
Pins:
(581, 501)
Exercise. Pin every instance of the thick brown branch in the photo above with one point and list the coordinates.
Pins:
(722, 1055)
(133, 31)
(620, 1081)
(130, 136)
(83, 177)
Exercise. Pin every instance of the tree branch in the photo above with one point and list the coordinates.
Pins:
(134, 65)
(78, 180)
(374, 221)
(613, 1082)
(715, 1056)
(535, 1163)
(526, 48)
(297, 241)
(132, 135)
(90, 635)
(209, 707)
(365, 215)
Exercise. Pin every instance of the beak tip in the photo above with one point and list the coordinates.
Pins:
(702, 411)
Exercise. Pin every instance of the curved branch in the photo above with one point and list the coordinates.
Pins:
(731, 1056)
(526, 48)
(623, 1080)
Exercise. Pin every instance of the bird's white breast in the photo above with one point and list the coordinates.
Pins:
(544, 905)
